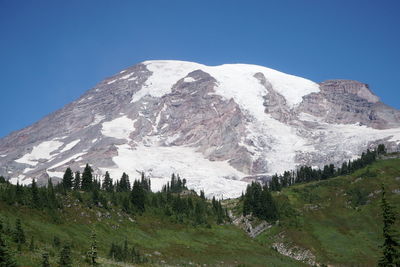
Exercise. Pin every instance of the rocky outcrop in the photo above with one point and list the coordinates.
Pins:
(246, 223)
(349, 102)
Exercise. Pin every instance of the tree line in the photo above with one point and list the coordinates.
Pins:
(306, 174)
(259, 202)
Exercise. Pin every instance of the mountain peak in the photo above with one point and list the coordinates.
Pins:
(217, 126)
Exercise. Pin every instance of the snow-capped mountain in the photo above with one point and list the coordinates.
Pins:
(217, 126)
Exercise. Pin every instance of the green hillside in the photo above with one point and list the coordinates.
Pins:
(338, 220)
(162, 238)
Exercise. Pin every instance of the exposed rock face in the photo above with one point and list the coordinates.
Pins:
(219, 127)
(349, 102)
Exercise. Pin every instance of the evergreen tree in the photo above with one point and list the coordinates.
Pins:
(145, 183)
(269, 210)
(6, 258)
(138, 196)
(19, 235)
(67, 180)
(35, 195)
(87, 178)
(77, 181)
(51, 196)
(391, 253)
(45, 260)
(199, 213)
(124, 184)
(2, 180)
(65, 256)
(202, 195)
(381, 149)
(107, 183)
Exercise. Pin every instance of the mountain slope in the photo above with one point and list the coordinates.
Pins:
(218, 126)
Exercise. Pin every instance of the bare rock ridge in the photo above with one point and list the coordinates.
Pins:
(217, 126)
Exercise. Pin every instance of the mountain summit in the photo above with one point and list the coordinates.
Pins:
(217, 126)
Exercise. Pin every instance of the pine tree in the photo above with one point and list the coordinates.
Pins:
(381, 149)
(51, 196)
(87, 178)
(107, 183)
(124, 184)
(67, 180)
(199, 213)
(45, 260)
(138, 196)
(6, 258)
(19, 235)
(35, 195)
(77, 181)
(65, 257)
(391, 253)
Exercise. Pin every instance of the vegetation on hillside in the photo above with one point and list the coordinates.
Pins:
(111, 224)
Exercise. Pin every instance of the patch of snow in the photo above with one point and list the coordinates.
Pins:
(94, 140)
(127, 76)
(112, 81)
(70, 145)
(56, 174)
(119, 128)
(97, 119)
(67, 160)
(41, 151)
(132, 79)
(189, 80)
(21, 180)
(90, 97)
(122, 71)
(2, 156)
(308, 117)
(60, 138)
(28, 170)
(216, 178)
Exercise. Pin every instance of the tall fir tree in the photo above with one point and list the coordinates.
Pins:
(35, 195)
(51, 195)
(19, 235)
(77, 181)
(87, 178)
(124, 184)
(67, 180)
(107, 183)
(391, 252)
(138, 196)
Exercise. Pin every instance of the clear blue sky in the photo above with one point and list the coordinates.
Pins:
(52, 51)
